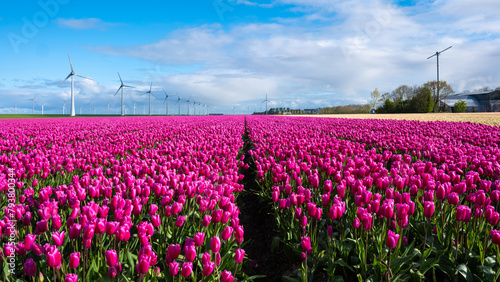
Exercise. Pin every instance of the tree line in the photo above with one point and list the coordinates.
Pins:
(412, 99)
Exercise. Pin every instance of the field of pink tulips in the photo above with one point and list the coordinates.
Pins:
(158, 198)
(148, 199)
(379, 200)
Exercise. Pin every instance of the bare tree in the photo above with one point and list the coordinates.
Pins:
(375, 95)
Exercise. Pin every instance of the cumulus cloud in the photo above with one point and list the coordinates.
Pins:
(84, 23)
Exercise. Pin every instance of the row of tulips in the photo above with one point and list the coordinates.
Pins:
(382, 200)
(150, 199)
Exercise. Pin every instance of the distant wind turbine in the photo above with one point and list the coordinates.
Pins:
(42, 107)
(150, 94)
(121, 88)
(166, 102)
(107, 109)
(90, 108)
(65, 106)
(188, 102)
(266, 102)
(33, 102)
(437, 59)
(178, 100)
(71, 75)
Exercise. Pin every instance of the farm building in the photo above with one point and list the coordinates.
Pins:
(311, 111)
(476, 102)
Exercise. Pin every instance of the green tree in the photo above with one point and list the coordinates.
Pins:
(444, 90)
(387, 107)
(422, 102)
(375, 98)
(460, 106)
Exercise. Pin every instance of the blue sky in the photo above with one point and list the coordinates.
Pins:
(230, 53)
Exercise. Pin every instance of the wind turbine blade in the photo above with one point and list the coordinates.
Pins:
(69, 75)
(150, 86)
(121, 86)
(83, 76)
(128, 86)
(431, 56)
(70, 64)
(120, 78)
(445, 49)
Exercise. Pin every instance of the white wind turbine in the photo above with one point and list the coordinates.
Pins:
(150, 93)
(134, 109)
(90, 107)
(33, 102)
(178, 100)
(64, 108)
(266, 102)
(121, 88)
(166, 102)
(107, 109)
(42, 108)
(188, 102)
(70, 75)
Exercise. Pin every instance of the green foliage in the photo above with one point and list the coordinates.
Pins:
(460, 106)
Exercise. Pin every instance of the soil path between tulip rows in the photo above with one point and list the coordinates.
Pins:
(260, 227)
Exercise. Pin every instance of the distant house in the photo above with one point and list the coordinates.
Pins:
(311, 111)
(476, 102)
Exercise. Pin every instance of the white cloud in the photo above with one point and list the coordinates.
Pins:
(84, 23)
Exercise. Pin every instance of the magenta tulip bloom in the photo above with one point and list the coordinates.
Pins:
(239, 233)
(206, 220)
(356, 223)
(88, 231)
(208, 268)
(111, 257)
(392, 239)
(58, 238)
(190, 253)
(29, 267)
(495, 236)
(155, 218)
(112, 271)
(226, 276)
(37, 249)
(53, 257)
(173, 251)
(173, 268)
(215, 244)
(205, 257)
(218, 259)
(29, 240)
(226, 233)
(74, 231)
(306, 244)
(239, 255)
(428, 209)
(199, 238)
(74, 260)
(180, 221)
(187, 268)
(71, 277)
(56, 222)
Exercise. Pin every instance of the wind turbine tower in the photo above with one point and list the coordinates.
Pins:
(266, 102)
(33, 102)
(71, 75)
(121, 88)
(437, 61)
(166, 102)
